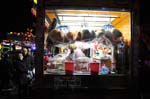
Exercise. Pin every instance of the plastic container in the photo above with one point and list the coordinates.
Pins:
(69, 67)
(104, 70)
(94, 68)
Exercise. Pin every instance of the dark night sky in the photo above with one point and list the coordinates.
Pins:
(15, 15)
(144, 12)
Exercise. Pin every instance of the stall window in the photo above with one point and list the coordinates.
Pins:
(86, 42)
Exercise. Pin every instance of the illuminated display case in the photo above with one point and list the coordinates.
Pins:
(103, 33)
(86, 36)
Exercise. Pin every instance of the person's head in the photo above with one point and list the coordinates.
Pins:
(19, 56)
(25, 51)
(29, 51)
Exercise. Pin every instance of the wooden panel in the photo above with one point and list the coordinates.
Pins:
(124, 25)
(51, 15)
(90, 12)
(88, 3)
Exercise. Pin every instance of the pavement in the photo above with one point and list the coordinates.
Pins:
(11, 94)
(8, 94)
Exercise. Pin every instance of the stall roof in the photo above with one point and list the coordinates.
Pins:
(85, 18)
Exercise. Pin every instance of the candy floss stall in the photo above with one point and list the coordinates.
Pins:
(86, 43)
(87, 46)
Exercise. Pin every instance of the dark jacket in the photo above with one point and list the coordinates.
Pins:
(21, 72)
(5, 72)
(29, 62)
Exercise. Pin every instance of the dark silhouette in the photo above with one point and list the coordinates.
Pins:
(21, 75)
(5, 71)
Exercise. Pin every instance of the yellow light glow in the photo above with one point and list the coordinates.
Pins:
(11, 33)
(35, 1)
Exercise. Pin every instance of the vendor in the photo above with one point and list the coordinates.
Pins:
(74, 52)
(78, 53)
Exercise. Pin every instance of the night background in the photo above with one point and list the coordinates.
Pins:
(15, 16)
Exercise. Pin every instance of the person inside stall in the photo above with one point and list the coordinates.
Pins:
(117, 39)
(69, 52)
(117, 36)
(78, 52)
(79, 56)
(73, 52)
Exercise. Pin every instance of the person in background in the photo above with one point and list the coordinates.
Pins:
(29, 62)
(21, 75)
(5, 71)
